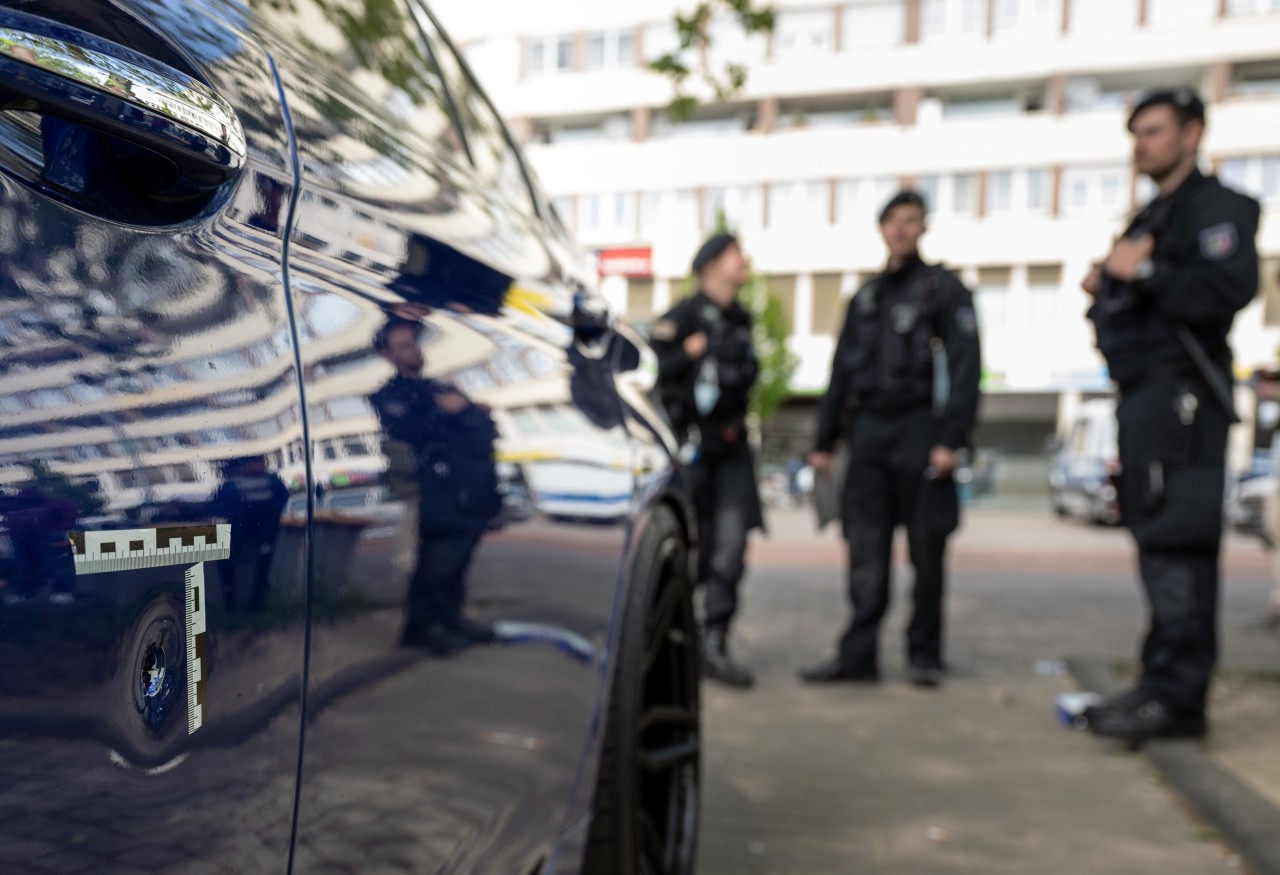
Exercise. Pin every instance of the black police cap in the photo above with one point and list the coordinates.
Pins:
(712, 249)
(904, 199)
(1185, 102)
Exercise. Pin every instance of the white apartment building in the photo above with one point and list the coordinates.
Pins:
(1009, 115)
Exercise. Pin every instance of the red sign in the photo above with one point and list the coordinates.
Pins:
(636, 261)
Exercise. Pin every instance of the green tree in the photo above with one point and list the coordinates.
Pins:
(691, 61)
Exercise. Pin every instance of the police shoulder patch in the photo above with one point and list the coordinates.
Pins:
(967, 321)
(664, 329)
(1219, 242)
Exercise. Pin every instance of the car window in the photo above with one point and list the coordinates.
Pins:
(1078, 436)
(493, 154)
(369, 106)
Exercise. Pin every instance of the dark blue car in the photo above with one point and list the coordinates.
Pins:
(339, 533)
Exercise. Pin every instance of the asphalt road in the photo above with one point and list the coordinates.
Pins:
(979, 776)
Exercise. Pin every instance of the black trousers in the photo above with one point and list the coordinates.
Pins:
(1171, 494)
(728, 508)
(438, 587)
(886, 487)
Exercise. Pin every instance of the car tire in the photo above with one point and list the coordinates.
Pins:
(148, 721)
(1059, 510)
(646, 802)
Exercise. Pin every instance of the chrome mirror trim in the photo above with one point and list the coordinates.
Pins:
(186, 102)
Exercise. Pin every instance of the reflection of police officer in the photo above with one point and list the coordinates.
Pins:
(450, 442)
(37, 523)
(706, 368)
(904, 389)
(1164, 302)
(252, 499)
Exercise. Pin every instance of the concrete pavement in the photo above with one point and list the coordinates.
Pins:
(976, 777)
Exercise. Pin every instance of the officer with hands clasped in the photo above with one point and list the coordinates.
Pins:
(904, 394)
(706, 368)
(1163, 303)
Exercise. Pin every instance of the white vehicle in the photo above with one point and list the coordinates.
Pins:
(1082, 479)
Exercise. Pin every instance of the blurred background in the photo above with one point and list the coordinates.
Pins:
(1009, 115)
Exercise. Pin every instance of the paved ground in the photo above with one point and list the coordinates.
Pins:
(978, 777)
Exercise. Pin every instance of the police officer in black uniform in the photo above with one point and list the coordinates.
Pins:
(1164, 301)
(451, 444)
(904, 393)
(706, 368)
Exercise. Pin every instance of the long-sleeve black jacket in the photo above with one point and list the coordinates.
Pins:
(1206, 270)
(729, 346)
(882, 363)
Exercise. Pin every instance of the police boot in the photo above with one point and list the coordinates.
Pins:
(716, 662)
(1151, 719)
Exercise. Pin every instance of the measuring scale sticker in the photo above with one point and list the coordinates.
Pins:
(134, 549)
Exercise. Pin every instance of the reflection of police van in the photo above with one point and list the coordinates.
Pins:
(564, 489)
(1082, 479)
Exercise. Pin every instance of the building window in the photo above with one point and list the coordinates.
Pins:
(550, 54)
(1044, 282)
(992, 297)
(859, 201)
(1258, 176)
(1257, 79)
(711, 123)
(988, 105)
(800, 203)
(1095, 188)
(564, 54)
(639, 297)
(1085, 94)
(535, 56)
(612, 212)
(964, 194)
(933, 18)
(1039, 190)
(828, 305)
(740, 207)
(804, 32)
(564, 208)
(1244, 8)
(595, 51)
(929, 188)
(1269, 291)
(626, 49)
(607, 50)
(872, 25)
(946, 18)
(1006, 15)
(1000, 191)
(1102, 17)
(665, 212)
(1180, 14)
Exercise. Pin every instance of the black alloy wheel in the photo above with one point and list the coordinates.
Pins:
(646, 807)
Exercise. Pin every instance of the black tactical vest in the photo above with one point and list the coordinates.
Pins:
(889, 361)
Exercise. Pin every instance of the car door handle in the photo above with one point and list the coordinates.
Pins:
(52, 69)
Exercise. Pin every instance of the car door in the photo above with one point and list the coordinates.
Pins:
(151, 631)
(505, 496)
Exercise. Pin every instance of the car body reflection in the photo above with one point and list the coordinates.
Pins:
(206, 507)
